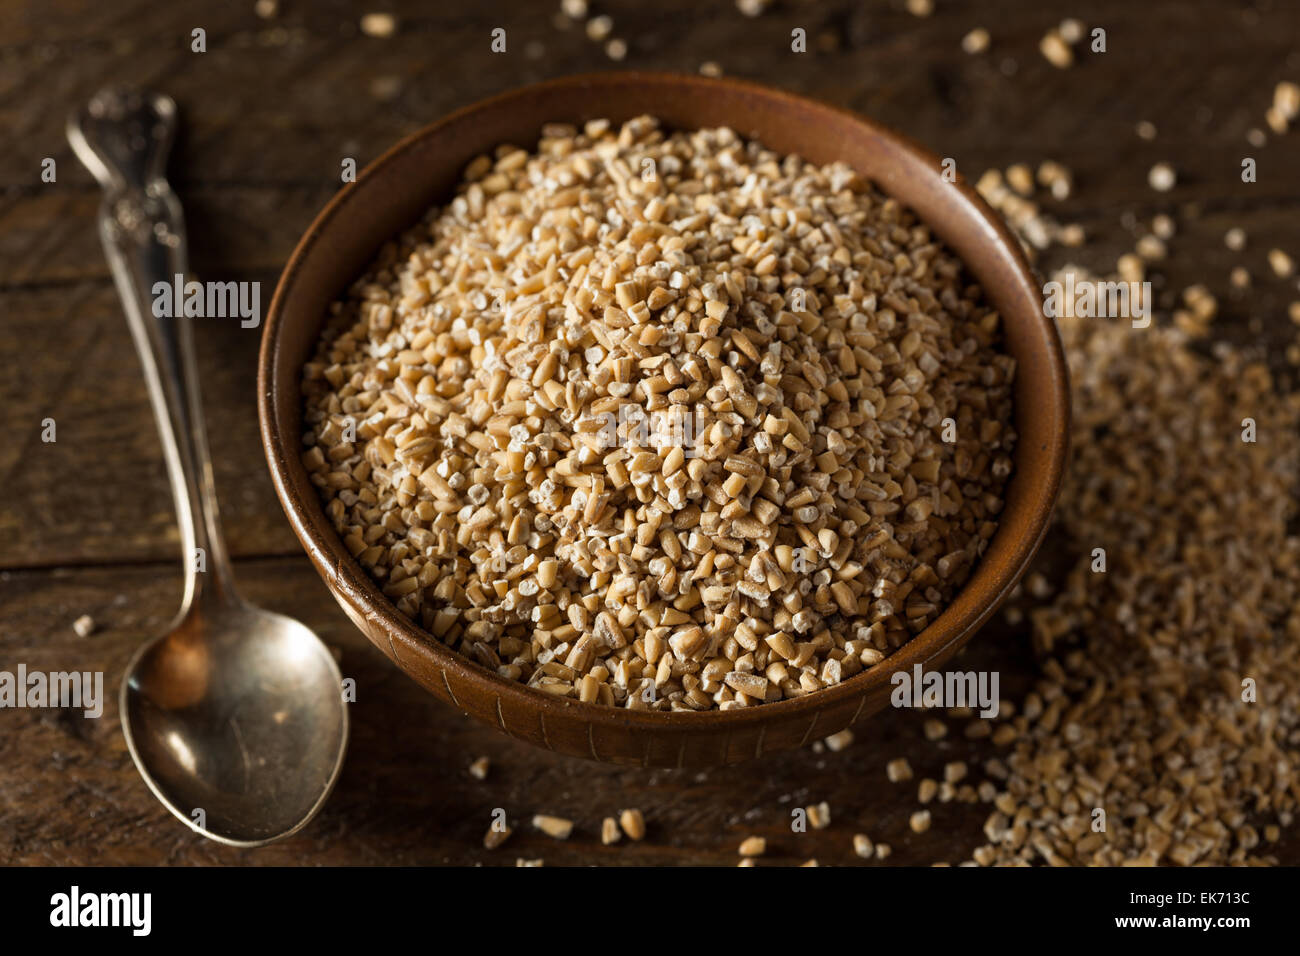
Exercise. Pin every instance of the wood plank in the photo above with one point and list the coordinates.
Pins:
(49, 237)
(267, 114)
(272, 131)
(251, 172)
(69, 793)
(99, 492)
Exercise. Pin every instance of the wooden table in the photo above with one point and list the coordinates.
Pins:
(269, 112)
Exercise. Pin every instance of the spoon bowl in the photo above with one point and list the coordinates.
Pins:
(234, 717)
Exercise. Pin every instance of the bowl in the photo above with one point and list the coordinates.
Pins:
(423, 169)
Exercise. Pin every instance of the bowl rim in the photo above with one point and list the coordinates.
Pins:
(349, 581)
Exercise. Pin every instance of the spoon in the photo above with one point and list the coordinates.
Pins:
(235, 716)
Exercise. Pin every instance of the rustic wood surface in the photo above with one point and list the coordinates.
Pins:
(268, 113)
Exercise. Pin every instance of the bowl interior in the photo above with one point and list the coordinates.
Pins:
(423, 170)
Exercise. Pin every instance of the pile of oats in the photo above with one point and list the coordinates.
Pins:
(1169, 696)
(664, 421)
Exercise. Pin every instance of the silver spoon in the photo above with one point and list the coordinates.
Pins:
(235, 717)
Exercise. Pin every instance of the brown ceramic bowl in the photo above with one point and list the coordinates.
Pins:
(423, 169)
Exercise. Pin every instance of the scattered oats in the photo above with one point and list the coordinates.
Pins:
(520, 861)
(1151, 248)
(1286, 100)
(1072, 235)
(633, 824)
(1004, 735)
(710, 68)
(812, 862)
(495, 837)
(557, 827)
(753, 846)
(1163, 226)
(386, 87)
(992, 186)
(883, 850)
(1202, 307)
(378, 25)
(1037, 584)
(898, 770)
(1021, 179)
(1055, 50)
(863, 846)
(920, 8)
(1239, 278)
(919, 821)
(616, 49)
(1071, 30)
(1056, 178)
(574, 9)
(1256, 137)
(819, 815)
(599, 28)
(609, 832)
(1162, 177)
(1138, 705)
(837, 742)
(752, 8)
(1276, 121)
(935, 729)
(1281, 263)
(1130, 268)
(1146, 130)
(266, 9)
(479, 768)
(1038, 231)
(84, 626)
(955, 771)
(1293, 312)
(747, 861)
(926, 790)
(976, 42)
(1235, 239)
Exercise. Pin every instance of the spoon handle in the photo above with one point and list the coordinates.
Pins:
(123, 137)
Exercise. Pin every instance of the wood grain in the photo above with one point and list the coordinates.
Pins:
(268, 113)
(69, 793)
